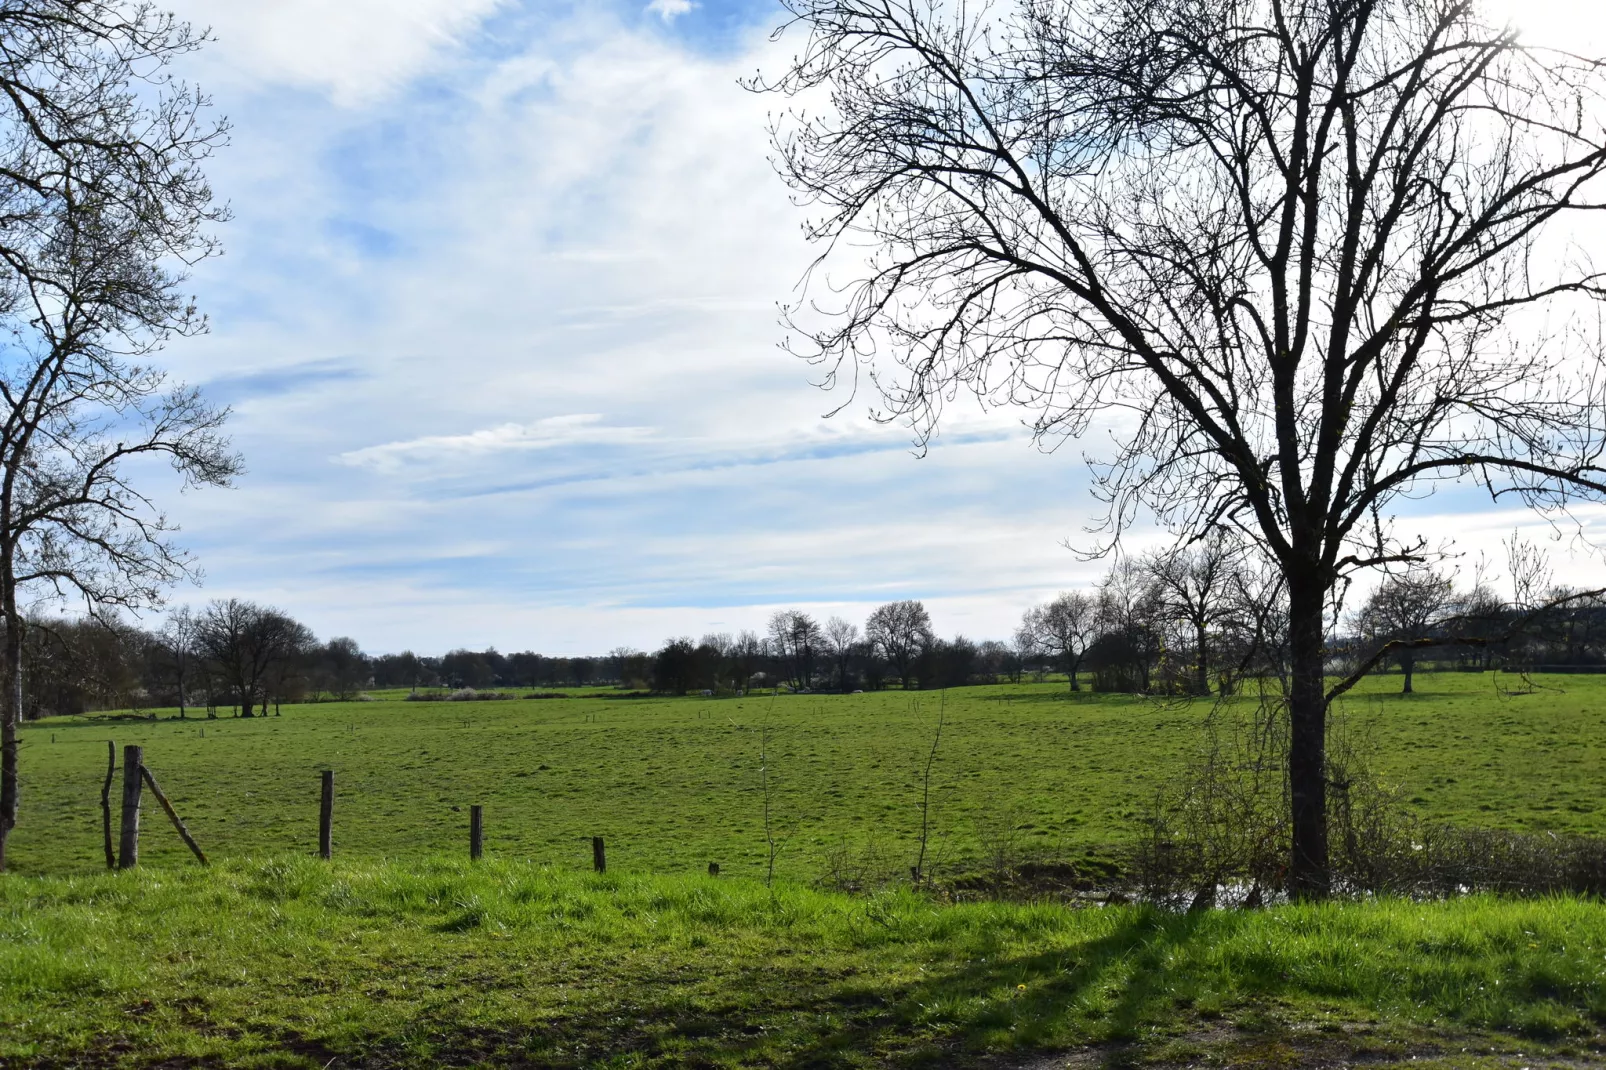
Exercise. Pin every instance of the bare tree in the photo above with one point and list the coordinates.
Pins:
(100, 188)
(1062, 629)
(251, 646)
(743, 658)
(796, 639)
(900, 631)
(178, 645)
(1408, 606)
(1302, 246)
(1127, 623)
(1193, 585)
(841, 642)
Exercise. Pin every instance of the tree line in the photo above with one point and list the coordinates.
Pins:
(1201, 620)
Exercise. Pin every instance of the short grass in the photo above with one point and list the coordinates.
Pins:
(673, 784)
(289, 962)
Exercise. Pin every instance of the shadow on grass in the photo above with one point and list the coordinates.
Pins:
(797, 1015)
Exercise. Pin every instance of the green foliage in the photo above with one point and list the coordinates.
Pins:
(292, 962)
(1024, 772)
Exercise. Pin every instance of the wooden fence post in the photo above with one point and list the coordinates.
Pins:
(476, 832)
(599, 858)
(128, 854)
(326, 816)
(106, 804)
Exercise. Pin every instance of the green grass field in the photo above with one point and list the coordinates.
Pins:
(1025, 771)
(403, 954)
(295, 963)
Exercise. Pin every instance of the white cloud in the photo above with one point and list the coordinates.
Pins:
(574, 430)
(669, 10)
(584, 225)
(355, 50)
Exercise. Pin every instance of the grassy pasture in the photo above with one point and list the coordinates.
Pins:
(288, 962)
(674, 783)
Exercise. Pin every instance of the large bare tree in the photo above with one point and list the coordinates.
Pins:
(101, 193)
(1297, 257)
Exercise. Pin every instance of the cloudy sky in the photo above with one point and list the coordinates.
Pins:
(498, 322)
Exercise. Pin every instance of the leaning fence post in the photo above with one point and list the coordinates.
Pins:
(326, 816)
(476, 831)
(128, 856)
(106, 804)
(172, 814)
(599, 858)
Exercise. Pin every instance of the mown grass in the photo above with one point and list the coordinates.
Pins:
(1023, 771)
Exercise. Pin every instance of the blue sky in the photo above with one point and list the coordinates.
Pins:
(498, 322)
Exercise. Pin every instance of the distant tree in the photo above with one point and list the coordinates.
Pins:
(632, 668)
(996, 660)
(580, 670)
(842, 643)
(947, 663)
(250, 646)
(796, 640)
(525, 668)
(674, 667)
(1124, 655)
(84, 664)
(399, 670)
(899, 631)
(343, 669)
(743, 658)
(1408, 606)
(468, 668)
(287, 675)
(177, 654)
(1061, 629)
(1193, 586)
(1487, 618)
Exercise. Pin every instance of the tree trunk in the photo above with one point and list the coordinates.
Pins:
(1071, 672)
(1308, 876)
(1407, 666)
(10, 711)
(1202, 673)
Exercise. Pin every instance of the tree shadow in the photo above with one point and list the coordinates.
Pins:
(790, 1015)
(1120, 980)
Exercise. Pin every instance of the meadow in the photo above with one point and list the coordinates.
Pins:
(1022, 772)
(402, 953)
